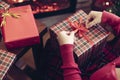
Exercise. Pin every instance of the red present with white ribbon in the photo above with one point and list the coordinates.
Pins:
(88, 42)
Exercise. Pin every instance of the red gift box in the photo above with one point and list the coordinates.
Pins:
(20, 28)
(6, 60)
(90, 44)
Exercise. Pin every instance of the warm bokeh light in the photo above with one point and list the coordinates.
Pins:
(15, 1)
(47, 8)
(107, 3)
(40, 6)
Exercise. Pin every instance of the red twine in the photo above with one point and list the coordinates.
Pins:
(80, 28)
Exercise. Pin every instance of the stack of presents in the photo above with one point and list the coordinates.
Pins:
(18, 29)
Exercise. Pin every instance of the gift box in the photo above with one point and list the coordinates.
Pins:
(88, 43)
(19, 28)
(4, 5)
(6, 60)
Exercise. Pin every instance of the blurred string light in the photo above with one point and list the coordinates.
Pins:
(15, 1)
(115, 8)
(107, 3)
(112, 6)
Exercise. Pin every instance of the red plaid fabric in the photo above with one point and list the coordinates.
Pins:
(6, 59)
(4, 5)
(83, 48)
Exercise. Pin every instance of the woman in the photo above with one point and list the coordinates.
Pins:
(66, 40)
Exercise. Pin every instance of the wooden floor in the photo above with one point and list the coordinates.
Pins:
(20, 69)
(16, 74)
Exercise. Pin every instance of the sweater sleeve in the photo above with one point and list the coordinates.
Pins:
(112, 20)
(70, 68)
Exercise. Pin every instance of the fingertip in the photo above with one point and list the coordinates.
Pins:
(72, 32)
(86, 24)
(89, 17)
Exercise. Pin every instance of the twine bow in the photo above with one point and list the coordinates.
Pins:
(5, 14)
(79, 28)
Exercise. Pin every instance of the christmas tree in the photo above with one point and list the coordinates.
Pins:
(112, 6)
(115, 8)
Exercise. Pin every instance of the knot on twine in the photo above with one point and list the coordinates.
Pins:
(79, 27)
(5, 14)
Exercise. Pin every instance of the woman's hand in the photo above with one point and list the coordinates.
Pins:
(65, 37)
(94, 17)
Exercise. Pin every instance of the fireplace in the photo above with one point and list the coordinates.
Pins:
(44, 8)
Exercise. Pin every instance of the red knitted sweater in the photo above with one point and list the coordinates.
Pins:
(70, 68)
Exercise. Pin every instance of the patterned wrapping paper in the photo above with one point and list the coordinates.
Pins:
(6, 60)
(83, 48)
(4, 5)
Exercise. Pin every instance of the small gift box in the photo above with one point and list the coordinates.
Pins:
(88, 42)
(4, 5)
(19, 28)
(6, 60)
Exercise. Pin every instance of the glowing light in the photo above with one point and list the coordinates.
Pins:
(34, 0)
(110, 10)
(41, 7)
(17, 1)
(107, 3)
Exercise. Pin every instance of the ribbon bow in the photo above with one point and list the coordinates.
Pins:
(5, 14)
(79, 28)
